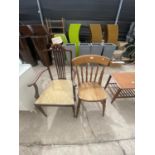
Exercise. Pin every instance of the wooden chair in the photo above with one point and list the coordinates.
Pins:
(55, 26)
(89, 87)
(60, 92)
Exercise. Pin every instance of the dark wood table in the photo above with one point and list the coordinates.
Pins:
(123, 85)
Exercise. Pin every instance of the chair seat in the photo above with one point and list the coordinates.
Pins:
(90, 91)
(59, 92)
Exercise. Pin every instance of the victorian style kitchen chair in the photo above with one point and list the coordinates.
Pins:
(60, 92)
(89, 86)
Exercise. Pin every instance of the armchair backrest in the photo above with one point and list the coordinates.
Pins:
(90, 62)
(60, 59)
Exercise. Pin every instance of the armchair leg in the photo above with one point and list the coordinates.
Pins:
(104, 106)
(41, 110)
(74, 112)
(78, 107)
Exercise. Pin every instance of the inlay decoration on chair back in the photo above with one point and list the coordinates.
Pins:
(59, 54)
(89, 65)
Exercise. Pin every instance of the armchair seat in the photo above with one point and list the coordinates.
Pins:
(59, 93)
(91, 91)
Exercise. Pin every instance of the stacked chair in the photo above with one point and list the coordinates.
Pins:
(96, 32)
(97, 39)
(112, 33)
(74, 30)
(85, 34)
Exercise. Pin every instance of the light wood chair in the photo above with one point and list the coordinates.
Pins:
(60, 92)
(89, 86)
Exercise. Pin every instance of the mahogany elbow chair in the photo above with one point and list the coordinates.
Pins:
(89, 86)
(61, 91)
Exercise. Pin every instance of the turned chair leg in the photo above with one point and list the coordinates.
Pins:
(78, 107)
(103, 106)
(41, 110)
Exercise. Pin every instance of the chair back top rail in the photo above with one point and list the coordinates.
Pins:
(91, 63)
(91, 59)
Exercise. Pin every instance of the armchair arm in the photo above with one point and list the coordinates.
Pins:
(33, 83)
(36, 78)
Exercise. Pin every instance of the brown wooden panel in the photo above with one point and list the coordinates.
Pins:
(112, 33)
(25, 30)
(41, 44)
(25, 51)
(39, 30)
(96, 32)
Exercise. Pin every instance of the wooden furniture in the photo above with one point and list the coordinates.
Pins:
(25, 30)
(123, 85)
(41, 43)
(89, 86)
(55, 26)
(112, 33)
(39, 30)
(96, 32)
(25, 52)
(60, 92)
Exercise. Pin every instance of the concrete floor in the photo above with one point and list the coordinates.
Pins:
(90, 134)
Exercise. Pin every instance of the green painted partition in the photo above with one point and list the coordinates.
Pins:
(63, 37)
(74, 30)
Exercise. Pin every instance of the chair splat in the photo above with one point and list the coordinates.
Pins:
(96, 72)
(59, 57)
